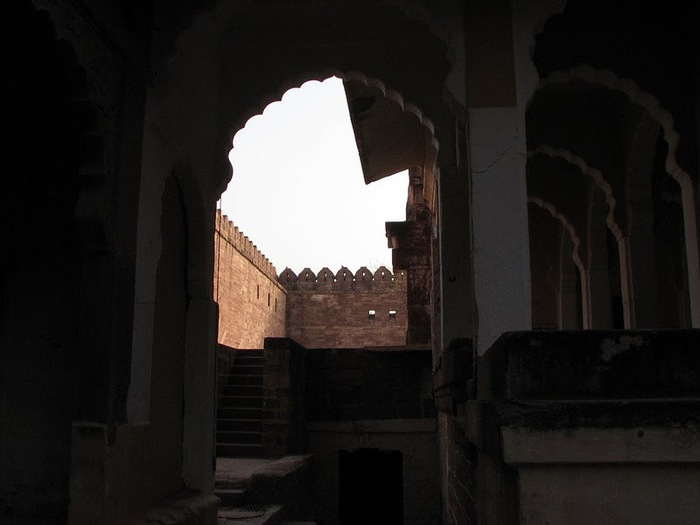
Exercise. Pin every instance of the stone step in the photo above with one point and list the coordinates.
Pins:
(241, 402)
(230, 497)
(249, 360)
(239, 425)
(236, 437)
(250, 515)
(241, 380)
(239, 413)
(241, 390)
(249, 353)
(225, 450)
(247, 369)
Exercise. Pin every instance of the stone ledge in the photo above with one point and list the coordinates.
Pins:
(187, 508)
(601, 445)
(567, 414)
(389, 426)
(602, 365)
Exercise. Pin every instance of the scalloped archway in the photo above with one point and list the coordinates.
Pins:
(664, 118)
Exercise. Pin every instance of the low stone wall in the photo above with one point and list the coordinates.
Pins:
(349, 384)
(603, 426)
(284, 418)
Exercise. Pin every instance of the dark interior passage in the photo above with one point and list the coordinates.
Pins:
(371, 486)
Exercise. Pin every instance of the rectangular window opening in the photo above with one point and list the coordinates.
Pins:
(371, 314)
(392, 315)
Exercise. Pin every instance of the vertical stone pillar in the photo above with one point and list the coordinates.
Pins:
(600, 304)
(569, 297)
(456, 292)
(498, 158)
(199, 421)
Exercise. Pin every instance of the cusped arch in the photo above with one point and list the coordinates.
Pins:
(634, 93)
(202, 55)
(594, 173)
(379, 89)
(651, 105)
(568, 226)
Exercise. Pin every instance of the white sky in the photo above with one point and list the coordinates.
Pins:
(298, 191)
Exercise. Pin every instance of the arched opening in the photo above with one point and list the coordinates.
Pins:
(191, 120)
(349, 308)
(658, 100)
(622, 166)
(297, 201)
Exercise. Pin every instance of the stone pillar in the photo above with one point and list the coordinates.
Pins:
(599, 304)
(544, 267)
(456, 308)
(569, 297)
(199, 421)
(498, 157)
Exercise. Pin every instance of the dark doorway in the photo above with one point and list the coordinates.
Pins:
(371, 486)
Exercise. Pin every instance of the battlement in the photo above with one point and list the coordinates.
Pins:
(241, 243)
(342, 281)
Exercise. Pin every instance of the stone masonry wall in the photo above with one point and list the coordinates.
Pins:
(335, 310)
(252, 305)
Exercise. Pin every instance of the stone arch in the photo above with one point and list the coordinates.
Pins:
(664, 118)
(212, 31)
(401, 105)
(223, 69)
(575, 253)
(620, 237)
(593, 173)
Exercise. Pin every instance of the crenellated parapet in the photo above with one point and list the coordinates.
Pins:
(342, 281)
(241, 243)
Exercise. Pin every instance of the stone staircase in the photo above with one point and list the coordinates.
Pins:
(239, 413)
(254, 486)
(268, 492)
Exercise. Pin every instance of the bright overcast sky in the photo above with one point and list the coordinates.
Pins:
(298, 191)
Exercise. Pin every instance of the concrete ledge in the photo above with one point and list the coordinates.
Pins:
(626, 413)
(410, 426)
(287, 482)
(602, 365)
(186, 508)
(596, 445)
(282, 467)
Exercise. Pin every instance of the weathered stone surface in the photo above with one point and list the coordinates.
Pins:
(349, 384)
(592, 365)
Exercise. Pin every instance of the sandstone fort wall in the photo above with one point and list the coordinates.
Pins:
(346, 310)
(252, 304)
